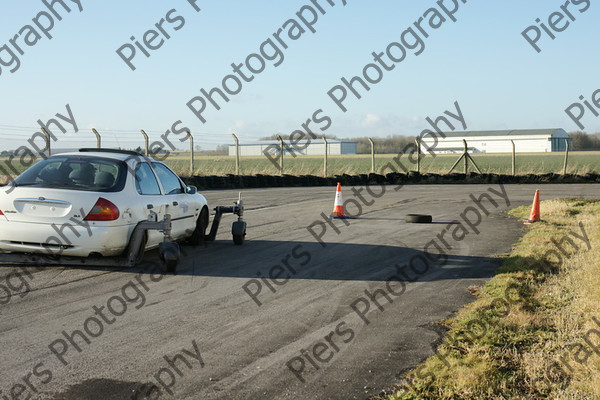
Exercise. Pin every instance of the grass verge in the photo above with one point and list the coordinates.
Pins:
(534, 330)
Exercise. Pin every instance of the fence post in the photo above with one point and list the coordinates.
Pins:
(47, 135)
(514, 158)
(566, 156)
(372, 155)
(280, 154)
(418, 142)
(237, 154)
(189, 135)
(145, 141)
(98, 140)
(325, 158)
(466, 159)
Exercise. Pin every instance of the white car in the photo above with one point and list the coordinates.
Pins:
(88, 203)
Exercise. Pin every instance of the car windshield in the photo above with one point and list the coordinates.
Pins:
(95, 174)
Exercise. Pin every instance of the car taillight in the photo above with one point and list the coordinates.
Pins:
(103, 210)
(1, 213)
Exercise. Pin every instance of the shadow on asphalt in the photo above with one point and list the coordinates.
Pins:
(309, 260)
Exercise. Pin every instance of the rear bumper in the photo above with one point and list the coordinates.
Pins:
(66, 240)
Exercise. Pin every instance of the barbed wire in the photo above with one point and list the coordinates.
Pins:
(16, 136)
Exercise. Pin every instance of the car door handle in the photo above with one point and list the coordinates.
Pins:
(149, 206)
(175, 203)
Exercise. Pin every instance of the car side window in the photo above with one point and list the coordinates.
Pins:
(170, 182)
(145, 181)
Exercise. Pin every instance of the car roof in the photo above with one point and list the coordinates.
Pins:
(121, 155)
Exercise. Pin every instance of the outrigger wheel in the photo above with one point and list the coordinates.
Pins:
(238, 228)
(169, 254)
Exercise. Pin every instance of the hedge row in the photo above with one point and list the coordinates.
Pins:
(261, 181)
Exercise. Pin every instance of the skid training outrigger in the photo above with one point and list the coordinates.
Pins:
(168, 249)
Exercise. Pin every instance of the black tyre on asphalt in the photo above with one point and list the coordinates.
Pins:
(238, 240)
(170, 254)
(238, 231)
(418, 219)
(171, 266)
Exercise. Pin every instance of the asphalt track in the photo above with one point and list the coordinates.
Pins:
(235, 348)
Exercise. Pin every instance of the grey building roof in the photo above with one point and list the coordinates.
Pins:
(511, 132)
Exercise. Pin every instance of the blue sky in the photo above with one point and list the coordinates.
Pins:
(481, 60)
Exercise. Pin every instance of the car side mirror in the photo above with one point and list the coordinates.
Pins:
(191, 189)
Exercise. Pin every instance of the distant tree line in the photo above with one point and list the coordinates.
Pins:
(221, 150)
(388, 145)
(585, 141)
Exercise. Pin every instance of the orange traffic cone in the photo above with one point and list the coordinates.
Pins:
(535, 209)
(338, 205)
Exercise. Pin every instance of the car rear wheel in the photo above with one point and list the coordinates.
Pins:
(199, 233)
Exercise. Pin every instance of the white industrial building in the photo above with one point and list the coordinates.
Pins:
(315, 148)
(526, 141)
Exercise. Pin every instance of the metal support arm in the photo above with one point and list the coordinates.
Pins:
(237, 209)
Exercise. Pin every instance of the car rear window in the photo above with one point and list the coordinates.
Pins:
(94, 174)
